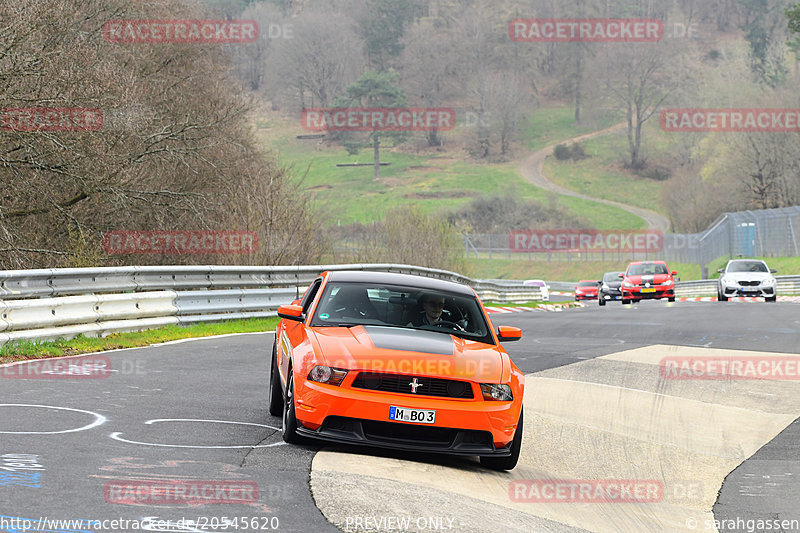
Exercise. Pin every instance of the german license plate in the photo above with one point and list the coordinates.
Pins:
(649, 290)
(406, 414)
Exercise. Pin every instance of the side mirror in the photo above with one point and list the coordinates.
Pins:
(720, 271)
(296, 302)
(291, 312)
(674, 273)
(773, 271)
(508, 334)
(621, 276)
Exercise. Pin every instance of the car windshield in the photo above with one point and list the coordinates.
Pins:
(353, 304)
(611, 276)
(647, 269)
(747, 266)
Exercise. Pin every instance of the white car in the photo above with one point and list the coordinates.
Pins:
(543, 288)
(746, 277)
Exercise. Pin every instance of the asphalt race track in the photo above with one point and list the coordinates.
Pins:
(193, 414)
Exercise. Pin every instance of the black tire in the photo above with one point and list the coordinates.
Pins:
(771, 299)
(275, 389)
(509, 462)
(721, 297)
(289, 426)
(672, 299)
(602, 301)
(626, 302)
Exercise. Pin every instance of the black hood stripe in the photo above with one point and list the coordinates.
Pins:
(411, 340)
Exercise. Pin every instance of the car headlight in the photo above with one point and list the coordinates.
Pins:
(667, 283)
(494, 392)
(768, 282)
(327, 375)
(627, 284)
(730, 281)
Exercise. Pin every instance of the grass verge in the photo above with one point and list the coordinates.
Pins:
(532, 305)
(24, 350)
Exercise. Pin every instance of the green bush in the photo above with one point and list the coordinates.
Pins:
(570, 153)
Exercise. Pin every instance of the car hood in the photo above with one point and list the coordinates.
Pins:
(408, 351)
(653, 279)
(749, 276)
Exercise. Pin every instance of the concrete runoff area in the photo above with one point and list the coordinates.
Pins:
(610, 418)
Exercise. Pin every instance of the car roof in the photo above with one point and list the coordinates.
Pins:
(648, 263)
(391, 278)
(747, 260)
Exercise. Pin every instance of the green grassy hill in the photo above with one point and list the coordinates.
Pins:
(436, 182)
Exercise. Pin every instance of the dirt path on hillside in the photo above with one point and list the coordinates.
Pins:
(531, 170)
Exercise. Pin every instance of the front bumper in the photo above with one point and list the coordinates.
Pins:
(409, 437)
(611, 294)
(732, 291)
(342, 414)
(651, 293)
(579, 297)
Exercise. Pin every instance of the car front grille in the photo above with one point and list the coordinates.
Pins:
(749, 283)
(401, 384)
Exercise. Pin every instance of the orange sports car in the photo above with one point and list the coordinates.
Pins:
(397, 361)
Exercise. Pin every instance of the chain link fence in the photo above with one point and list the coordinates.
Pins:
(762, 233)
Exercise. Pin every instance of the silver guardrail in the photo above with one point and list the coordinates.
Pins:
(48, 304)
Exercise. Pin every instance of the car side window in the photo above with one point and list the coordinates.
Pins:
(310, 294)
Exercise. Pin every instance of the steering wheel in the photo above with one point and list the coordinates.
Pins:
(447, 323)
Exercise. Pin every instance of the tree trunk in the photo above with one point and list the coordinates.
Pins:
(578, 84)
(433, 138)
(377, 157)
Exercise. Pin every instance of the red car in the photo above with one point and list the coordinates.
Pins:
(397, 361)
(586, 290)
(648, 280)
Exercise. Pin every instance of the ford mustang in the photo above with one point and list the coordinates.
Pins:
(648, 280)
(397, 361)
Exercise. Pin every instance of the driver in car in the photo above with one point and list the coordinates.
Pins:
(432, 307)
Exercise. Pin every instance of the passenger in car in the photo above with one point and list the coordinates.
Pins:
(432, 308)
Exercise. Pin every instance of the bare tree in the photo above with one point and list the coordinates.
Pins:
(323, 58)
(510, 103)
(639, 80)
(252, 59)
(173, 144)
(429, 66)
